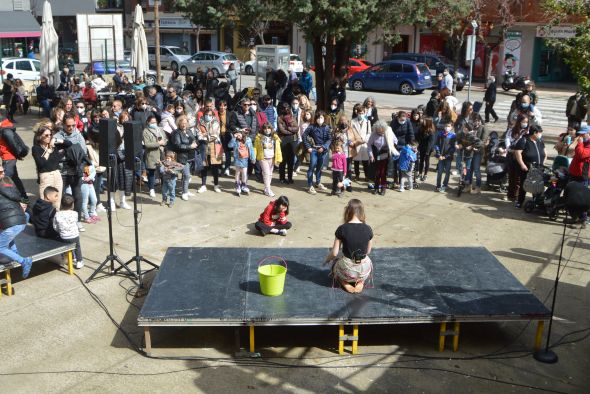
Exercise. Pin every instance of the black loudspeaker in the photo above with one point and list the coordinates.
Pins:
(133, 138)
(108, 140)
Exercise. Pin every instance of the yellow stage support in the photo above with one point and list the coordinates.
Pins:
(343, 337)
(443, 333)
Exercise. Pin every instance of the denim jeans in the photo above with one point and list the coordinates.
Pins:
(475, 167)
(46, 105)
(169, 189)
(459, 161)
(7, 246)
(186, 177)
(316, 160)
(88, 200)
(443, 166)
(151, 176)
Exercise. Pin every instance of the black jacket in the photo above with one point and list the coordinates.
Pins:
(42, 219)
(403, 132)
(11, 213)
(431, 107)
(181, 144)
(490, 94)
(374, 116)
(45, 93)
(238, 120)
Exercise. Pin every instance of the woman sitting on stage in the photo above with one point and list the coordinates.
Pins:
(274, 218)
(354, 267)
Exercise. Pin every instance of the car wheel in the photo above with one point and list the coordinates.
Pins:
(249, 70)
(505, 86)
(405, 88)
(184, 70)
(215, 73)
(150, 80)
(174, 66)
(358, 85)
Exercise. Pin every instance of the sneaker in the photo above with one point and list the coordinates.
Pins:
(349, 189)
(144, 179)
(184, 196)
(312, 190)
(26, 264)
(89, 220)
(226, 172)
(152, 193)
(454, 173)
(245, 189)
(238, 190)
(190, 194)
(162, 203)
(216, 189)
(269, 193)
(468, 189)
(321, 187)
(504, 198)
(81, 227)
(79, 264)
(476, 190)
(124, 205)
(517, 205)
(401, 190)
(383, 190)
(170, 204)
(282, 232)
(202, 189)
(100, 208)
(442, 189)
(410, 188)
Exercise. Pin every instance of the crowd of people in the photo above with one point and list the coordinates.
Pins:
(193, 126)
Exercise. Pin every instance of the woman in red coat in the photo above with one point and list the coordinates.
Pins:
(580, 166)
(274, 218)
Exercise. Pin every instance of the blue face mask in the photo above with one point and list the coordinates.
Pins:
(524, 105)
(207, 118)
(153, 126)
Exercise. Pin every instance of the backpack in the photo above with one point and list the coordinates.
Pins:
(15, 143)
(243, 151)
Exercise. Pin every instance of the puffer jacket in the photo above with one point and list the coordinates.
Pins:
(180, 143)
(11, 213)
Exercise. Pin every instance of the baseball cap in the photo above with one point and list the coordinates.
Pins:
(584, 130)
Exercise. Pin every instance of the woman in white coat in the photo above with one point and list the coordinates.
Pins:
(362, 127)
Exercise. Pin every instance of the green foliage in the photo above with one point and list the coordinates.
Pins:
(576, 49)
(205, 13)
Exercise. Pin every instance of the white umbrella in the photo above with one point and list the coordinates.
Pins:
(139, 53)
(48, 47)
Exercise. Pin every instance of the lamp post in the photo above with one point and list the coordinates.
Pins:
(471, 56)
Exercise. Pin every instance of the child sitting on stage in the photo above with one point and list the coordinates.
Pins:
(274, 218)
(43, 213)
(65, 222)
(169, 169)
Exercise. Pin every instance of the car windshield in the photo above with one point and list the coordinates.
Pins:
(179, 51)
(230, 57)
(295, 58)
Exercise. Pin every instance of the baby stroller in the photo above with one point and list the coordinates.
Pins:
(496, 169)
(546, 186)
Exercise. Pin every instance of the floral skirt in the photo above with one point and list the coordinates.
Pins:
(347, 270)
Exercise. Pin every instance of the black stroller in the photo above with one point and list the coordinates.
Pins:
(496, 169)
(548, 195)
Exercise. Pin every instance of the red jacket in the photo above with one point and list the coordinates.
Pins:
(581, 156)
(269, 219)
(5, 152)
(261, 119)
(89, 94)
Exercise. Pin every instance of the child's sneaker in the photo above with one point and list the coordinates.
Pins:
(81, 227)
(216, 189)
(226, 172)
(282, 232)
(26, 264)
(170, 204)
(202, 189)
(100, 208)
(152, 193)
(96, 218)
(401, 189)
(184, 196)
(79, 264)
(443, 189)
(321, 187)
(312, 190)
(245, 189)
(238, 189)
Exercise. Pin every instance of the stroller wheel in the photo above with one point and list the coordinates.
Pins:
(529, 206)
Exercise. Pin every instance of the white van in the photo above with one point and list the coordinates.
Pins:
(170, 56)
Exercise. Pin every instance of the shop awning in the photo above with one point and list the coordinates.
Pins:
(18, 24)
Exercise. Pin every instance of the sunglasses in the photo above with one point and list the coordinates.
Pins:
(45, 135)
(70, 125)
(246, 104)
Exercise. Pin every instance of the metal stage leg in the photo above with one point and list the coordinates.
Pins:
(539, 335)
(443, 333)
(148, 341)
(441, 336)
(456, 337)
(352, 338)
(252, 348)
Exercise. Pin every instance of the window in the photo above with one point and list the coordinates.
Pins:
(164, 51)
(378, 68)
(199, 56)
(395, 68)
(230, 57)
(10, 65)
(295, 58)
(407, 68)
(210, 56)
(151, 50)
(178, 51)
(430, 62)
(24, 65)
(423, 69)
(37, 64)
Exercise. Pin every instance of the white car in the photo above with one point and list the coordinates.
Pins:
(21, 68)
(294, 62)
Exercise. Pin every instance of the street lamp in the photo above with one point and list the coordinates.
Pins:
(471, 55)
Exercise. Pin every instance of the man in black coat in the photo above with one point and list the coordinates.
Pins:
(13, 221)
(433, 103)
(45, 96)
(490, 99)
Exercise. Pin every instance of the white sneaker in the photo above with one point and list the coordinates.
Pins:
(152, 193)
(113, 206)
(81, 227)
(454, 173)
(190, 194)
(226, 172)
(270, 193)
(202, 189)
(216, 189)
(100, 208)
(123, 205)
(312, 190)
(321, 187)
(79, 264)
(184, 196)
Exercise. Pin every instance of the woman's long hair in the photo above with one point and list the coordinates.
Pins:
(354, 208)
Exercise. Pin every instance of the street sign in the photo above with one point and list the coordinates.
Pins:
(470, 48)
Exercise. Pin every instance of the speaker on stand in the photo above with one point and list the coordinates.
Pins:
(133, 137)
(109, 140)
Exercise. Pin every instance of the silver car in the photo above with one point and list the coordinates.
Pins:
(218, 62)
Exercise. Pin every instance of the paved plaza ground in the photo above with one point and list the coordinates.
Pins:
(57, 338)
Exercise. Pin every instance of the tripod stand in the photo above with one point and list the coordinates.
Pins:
(112, 257)
(137, 258)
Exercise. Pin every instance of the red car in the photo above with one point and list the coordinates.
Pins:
(354, 66)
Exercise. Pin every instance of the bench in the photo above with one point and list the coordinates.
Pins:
(29, 244)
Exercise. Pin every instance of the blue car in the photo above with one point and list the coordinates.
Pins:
(394, 76)
(97, 67)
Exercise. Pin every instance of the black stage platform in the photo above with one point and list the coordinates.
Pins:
(28, 244)
(219, 287)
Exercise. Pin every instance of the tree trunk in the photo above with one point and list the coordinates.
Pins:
(328, 71)
(319, 72)
(342, 53)
(198, 34)
(261, 36)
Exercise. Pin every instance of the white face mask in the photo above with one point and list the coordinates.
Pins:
(334, 107)
(81, 111)
(144, 106)
(254, 107)
(295, 107)
(448, 129)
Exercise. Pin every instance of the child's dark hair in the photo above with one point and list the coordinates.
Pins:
(67, 202)
(48, 190)
(170, 153)
(282, 200)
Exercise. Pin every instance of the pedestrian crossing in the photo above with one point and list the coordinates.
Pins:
(552, 109)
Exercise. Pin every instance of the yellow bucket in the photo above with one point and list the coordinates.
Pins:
(272, 276)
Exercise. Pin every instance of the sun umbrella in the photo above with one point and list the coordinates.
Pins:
(48, 47)
(139, 53)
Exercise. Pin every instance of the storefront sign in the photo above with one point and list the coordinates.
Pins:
(176, 23)
(556, 31)
(512, 45)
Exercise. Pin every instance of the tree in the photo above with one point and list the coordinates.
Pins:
(575, 49)
(202, 13)
(256, 16)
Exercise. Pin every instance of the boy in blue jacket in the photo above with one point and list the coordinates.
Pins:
(444, 149)
(407, 161)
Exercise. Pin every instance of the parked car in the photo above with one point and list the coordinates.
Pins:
(394, 75)
(436, 64)
(357, 65)
(98, 67)
(170, 56)
(218, 62)
(294, 62)
(21, 68)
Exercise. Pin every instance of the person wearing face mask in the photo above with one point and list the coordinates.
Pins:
(338, 91)
(381, 148)
(267, 149)
(402, 128)
(269, 110)
(317, 139)
(306, 120)
(168, 121)
(89, 94)
(529, 151)
(260, 115)
(447, 80)
(179, 110)
(362, 127)
(471, 147)
(211, 149)
(141, 111)
(334, 113)
(289, 134)
(444, 149)
(520, 129)
(245, 119)
(580, 166)
(154, 141)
